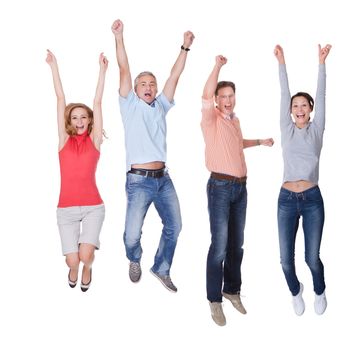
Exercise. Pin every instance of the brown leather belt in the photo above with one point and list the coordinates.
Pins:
(219, 176)
(148, 173)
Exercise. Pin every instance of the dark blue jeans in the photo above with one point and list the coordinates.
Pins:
(227, 203)
(291, 206)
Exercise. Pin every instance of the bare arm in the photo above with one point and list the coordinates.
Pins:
(263, 142)
(97, 131)
(122, 59)
(211, 83)
(177, 69)
(60, 97)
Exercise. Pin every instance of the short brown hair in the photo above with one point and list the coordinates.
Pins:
(222, 84)
(70, 130)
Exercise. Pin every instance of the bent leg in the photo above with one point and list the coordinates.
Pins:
(167, 205)
(139, 191)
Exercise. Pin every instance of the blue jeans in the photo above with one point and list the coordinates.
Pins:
(227, 203)
(141, 192)
(291, 206)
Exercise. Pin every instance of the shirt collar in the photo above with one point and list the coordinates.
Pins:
(226, 116)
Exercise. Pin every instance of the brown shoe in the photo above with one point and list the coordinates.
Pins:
(217, 313)
(236, 301)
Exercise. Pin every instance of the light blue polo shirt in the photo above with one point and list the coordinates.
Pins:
(145, 128)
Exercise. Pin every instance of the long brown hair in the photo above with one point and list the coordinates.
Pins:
(70, 130)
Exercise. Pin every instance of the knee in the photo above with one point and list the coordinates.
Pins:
(287, 264)
(86, 255)
(216, 253)
(72, 260)
(131, 239)
(175, 228)
(312, 262)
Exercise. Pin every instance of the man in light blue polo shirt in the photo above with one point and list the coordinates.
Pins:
(143, 115)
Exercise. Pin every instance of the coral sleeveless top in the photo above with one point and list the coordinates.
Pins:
(78, 161)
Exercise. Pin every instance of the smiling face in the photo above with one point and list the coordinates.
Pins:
(300, 110)
(146, 87)
(225, 100)
(79, 120)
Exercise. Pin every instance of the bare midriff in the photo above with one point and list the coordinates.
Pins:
(298, 186)
(149, 166)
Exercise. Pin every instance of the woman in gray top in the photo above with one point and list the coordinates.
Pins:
(300, 196)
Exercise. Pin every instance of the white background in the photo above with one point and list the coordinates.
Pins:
(37, 308)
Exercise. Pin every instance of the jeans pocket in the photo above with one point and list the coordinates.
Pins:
(314, 195)
(284, 196)
(134, 179)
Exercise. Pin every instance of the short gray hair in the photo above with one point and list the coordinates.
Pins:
(136, 81)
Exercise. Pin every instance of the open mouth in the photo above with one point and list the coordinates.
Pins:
(80, 128)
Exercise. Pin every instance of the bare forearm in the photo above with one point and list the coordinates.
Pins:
(100, 87)
(124, 68)
(251, 143)
(59, 91)
(177, 69)
(121, 55)
(211, 83)
(258, 142)
(98, 104)
(179, 65)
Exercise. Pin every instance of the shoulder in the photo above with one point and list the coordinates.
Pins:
(207, 104)
(131, 97)
(163, 100)
(63, 141)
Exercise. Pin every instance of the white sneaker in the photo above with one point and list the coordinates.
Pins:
(217, 313)
(320, 303)
(298, 301)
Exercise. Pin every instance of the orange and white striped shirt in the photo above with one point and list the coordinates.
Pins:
(223, 141)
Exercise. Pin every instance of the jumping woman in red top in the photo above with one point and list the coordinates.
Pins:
(80, 211)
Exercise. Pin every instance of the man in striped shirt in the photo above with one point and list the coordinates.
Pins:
(226, 190)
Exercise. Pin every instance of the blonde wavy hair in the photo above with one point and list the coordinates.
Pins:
(70, 130)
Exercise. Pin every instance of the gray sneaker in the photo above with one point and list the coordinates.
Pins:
(236, 301)
(134, 271)
(217, 313)
(166, 281)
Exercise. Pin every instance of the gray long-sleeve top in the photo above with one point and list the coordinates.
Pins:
(302, 147)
